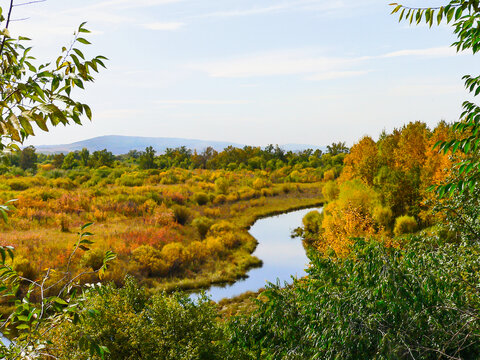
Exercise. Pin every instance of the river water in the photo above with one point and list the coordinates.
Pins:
(282, 256)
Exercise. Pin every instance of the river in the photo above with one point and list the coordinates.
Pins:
(282, 256)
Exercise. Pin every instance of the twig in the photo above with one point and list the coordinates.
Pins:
(6, 26)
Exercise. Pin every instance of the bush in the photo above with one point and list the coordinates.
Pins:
(312, 222)
(383, 216)
(167, 327)
(25, 268)
(129, 180)
(286, 188)
(258, 184)
(220, 199)
(181, 214)
(377, 303)
(174, 255)
(63, 183)
(149, 261)
(222, 185)
(404, 225)
(18, 185)
(92, 259)
(201, 198)
(202, 224)
(329, 175)
(330, 190)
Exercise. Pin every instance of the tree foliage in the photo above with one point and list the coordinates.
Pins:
(377, 303)
(464, 15)
(40, 94)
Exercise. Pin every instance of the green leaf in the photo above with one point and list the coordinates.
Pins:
(83, 41)
(86, 226)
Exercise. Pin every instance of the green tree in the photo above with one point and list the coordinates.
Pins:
(337, 148)
(101, 158)
(70, 161)
(58, 160)
(147, 159)
(84, 156)
(28, 158)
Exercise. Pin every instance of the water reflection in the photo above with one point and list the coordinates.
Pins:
(282, 256)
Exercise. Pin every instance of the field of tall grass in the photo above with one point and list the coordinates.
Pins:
(174, 229)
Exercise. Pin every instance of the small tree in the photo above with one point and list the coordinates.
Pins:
(147, 159)
(39, 94)
(28, 158)
(84, 156)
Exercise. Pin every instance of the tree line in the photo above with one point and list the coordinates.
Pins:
(231, 158)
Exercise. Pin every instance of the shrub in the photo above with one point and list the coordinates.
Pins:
(329, 175)
(222, 185)
(63, 222)
(64, 183)
(181, 214)
(131, 326)
(149, 261)
(25, 268)
(202, 224)
(18, 185)
(258, 184)
(286, 188)
(330, 190)
(129, 180)
(215, 246)
(220, 199)
(404, 225)
(312, 222)
(201, 198)
(174, 255)
(92, 259)
(377, 303)
(222, 227)
(382, 215)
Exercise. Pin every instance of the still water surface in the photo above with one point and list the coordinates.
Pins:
(282, 256)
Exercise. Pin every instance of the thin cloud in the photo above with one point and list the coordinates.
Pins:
(306, 5)
(164, 26)
(201, 102)
(307, 63)
(444, 51)
(274, 63)
(123, 4)
(336, 75)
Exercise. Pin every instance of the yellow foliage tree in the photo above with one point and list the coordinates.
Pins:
(362, 162)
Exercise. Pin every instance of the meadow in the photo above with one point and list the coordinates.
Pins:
(172, 229)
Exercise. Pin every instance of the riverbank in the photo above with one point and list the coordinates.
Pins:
(243, 261)
(282, 256)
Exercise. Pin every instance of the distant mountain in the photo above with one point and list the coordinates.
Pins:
(123, 144)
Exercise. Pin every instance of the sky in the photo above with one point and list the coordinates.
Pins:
(252, 72)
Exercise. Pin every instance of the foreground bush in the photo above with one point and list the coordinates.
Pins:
(377, 303)
(132, 326)
(404, 225)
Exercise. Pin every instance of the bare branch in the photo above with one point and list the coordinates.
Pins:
(30, 2)
(6, 26)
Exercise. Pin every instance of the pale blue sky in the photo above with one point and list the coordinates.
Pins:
(255, 72)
